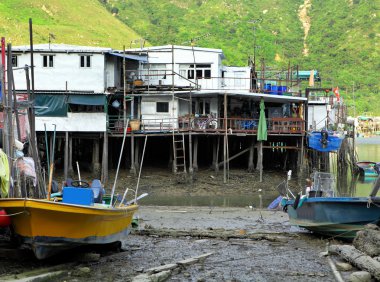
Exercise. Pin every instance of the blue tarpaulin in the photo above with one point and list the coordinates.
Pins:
(333, 142)
(57, 105)
(91, 100)
(51, 105)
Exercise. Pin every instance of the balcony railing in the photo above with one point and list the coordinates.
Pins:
(152, 80)
(209, 124)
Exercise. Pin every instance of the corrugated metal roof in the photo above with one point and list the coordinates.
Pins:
(140, 58)
(59, 48)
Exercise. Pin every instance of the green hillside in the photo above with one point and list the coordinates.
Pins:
(84, 22)
(342, 41)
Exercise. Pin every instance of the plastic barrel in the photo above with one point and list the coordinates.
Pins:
(274, 89)
(267, 87)
(281, 90)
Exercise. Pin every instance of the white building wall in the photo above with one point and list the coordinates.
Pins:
(183, 56)
(236, 78)
(155, 119)
(66, 69)
(74, 122)
(317, 116)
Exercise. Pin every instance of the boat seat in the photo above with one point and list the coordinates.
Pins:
(98, 190)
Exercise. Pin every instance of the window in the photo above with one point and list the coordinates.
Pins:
(85, 61)
(48, 61)
(162, 107)
(192, 71)
(190, 74)
(14, 61)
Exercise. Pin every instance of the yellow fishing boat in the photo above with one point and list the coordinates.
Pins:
(49, 227)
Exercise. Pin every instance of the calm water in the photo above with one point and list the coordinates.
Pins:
(367, 149)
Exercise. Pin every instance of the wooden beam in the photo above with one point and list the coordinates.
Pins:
(234, 157)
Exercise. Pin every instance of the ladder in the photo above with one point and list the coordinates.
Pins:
(179, 153)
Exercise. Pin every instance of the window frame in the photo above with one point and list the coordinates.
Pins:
(163, 104)
(14, 60)
(48, 61)
(86, 60)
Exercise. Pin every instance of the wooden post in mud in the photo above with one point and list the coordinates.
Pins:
(260, 160)
(66, 157)
(104, 177)
(251, 152)
(133, 168)
(137, 154)
(225, 140)
(215, 153)
(70, 158)
(95, 157)
(191, 169)
(300, 157)
(195, 155)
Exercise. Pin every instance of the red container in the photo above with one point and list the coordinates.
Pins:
(4, 219)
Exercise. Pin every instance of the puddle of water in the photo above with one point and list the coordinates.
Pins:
(251, 200)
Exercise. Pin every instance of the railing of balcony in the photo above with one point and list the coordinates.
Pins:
(154, 79)
(209, 124)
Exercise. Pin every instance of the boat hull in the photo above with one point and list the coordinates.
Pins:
(50, 227)
(367, 169)
(334, 217)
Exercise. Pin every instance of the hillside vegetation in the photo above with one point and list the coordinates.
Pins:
(342, 39)
(84, 22)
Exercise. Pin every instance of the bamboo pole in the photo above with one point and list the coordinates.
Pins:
(118, 165)
(225, 140)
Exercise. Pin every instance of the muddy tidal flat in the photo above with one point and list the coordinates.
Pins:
(239, 244)
(201, 239)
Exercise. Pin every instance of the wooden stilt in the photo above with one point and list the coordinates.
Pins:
(137, 154)
(133, 168)
(66, 156)
(214, 154)
(251, 152)
(260, 160)
(95, 158)
(191, 169)
(217, 153)
(171, 162)
(195, 158)
(104, 177)
(70, 159)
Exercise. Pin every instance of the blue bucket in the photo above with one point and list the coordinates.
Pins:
(274, 89)
(267, 87)
(281, 89)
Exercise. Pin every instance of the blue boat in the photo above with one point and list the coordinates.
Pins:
(368, 168)
(338, 217)
(324, 141)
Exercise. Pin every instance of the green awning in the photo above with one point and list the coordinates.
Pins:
(51, 105)
(91, 100)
